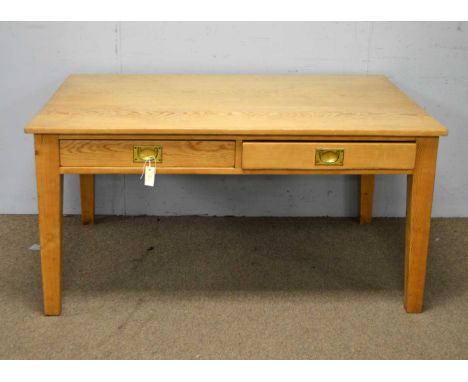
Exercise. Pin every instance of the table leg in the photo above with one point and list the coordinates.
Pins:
(87, 198)
(367, 196)
(418, 221)
(49, 194)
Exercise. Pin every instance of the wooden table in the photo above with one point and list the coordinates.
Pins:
(236, 125)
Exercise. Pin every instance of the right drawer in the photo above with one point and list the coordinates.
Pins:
(328, 156)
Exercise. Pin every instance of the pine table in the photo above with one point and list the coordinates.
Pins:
(234, 125)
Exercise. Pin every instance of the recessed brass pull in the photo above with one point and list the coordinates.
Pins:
(329, 157)
(144, 153)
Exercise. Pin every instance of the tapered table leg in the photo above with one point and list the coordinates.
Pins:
(418, 221)
(366, 198)
(49, 192)
(87, 198)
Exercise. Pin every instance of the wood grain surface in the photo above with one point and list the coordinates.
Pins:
(87, 198)
(366, 199)
(233, 104)
(418, 222)
(301, 156)
(49, 195)
(117, 153)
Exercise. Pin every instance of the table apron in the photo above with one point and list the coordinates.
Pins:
(237, 157)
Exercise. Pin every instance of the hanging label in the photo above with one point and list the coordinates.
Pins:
(150, 173)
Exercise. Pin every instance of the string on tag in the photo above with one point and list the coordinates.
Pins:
(147, 162)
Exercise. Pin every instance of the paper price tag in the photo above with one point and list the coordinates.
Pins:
(150, 173)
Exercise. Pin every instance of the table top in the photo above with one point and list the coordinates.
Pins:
(347, 105)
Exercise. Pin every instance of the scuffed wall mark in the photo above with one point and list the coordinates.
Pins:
(455, 47)
(459, 26)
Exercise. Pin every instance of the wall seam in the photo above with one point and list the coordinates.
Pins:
(369, 44)
(119, 28)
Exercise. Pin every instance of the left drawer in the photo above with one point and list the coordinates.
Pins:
(120, 153)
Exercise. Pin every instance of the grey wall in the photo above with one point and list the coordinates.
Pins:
(429, 61)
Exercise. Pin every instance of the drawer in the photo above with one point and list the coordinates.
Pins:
(327, 156)
(120, 153)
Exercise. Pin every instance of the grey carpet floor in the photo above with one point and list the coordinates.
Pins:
(233, 288)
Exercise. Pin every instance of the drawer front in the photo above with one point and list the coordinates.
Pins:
(120, 153)
(327, 156)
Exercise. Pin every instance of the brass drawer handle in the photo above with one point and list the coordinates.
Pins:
(144, 153)
(329, 157)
